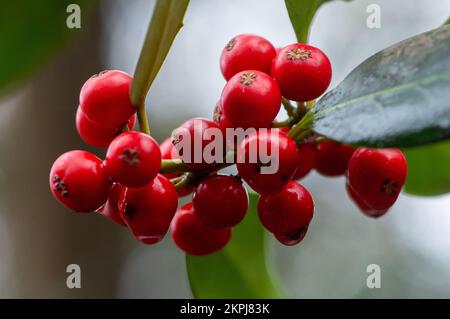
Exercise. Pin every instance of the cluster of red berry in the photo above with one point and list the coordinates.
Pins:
(129, 186)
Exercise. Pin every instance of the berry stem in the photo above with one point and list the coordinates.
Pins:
(303, 128)
(142, 119)
(290, 109)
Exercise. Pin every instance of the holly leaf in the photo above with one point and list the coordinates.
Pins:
(166, 21)
(301, 14)
(31, 32)
(241, 269)
(398, 97)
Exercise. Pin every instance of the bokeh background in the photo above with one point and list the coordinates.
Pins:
(39, 238)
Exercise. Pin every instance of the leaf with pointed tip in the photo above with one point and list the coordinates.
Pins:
(398, 97)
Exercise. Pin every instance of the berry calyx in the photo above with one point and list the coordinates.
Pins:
(97, 135)
(149, 210)
(331, 158)
(192, 236)
(200, 143)
(246, 52)
(363, 207)
(105, 99)
(111, 208)
(287, 212)
(267, 160)
(220, 201)
(292, 238)
(133, 159)
(377, 176)
(302, 72)
(79, 181)
(251, 99)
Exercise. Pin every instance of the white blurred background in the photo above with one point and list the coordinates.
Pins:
(38, 238)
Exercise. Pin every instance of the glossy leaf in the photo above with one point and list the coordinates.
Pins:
(31, 32)
(398, 97)
(241, 269)
(166, 21)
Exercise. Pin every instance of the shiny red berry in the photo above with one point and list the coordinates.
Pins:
(331, 158)
(79, 181)
(377, 176)
(200, 143)
(251, 99)
(292, 238)
(220, 201)
(267, 160)
(306, 160)
(111, 208)
(302, 72)
(105, 99)
(97, 135)
(149, 210)
(168, 151)
(192, 236)
(365, 209)
(287, 213)
(246, 52)
(133, 159)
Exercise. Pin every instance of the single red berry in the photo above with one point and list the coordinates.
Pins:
(195, 238)
(368, 211)
(97, 135)
(105, 99)
(287, 212)
(168, 151)
(251, 99)
(306, 156)
(149, 210)
(200, 143)
(111, 208)
(133, 159)
(246, 52)
(377, 176)
(267, 160)
(220, 201)
(331, 158)
(292, 238)
(79, 181)
(302, 72)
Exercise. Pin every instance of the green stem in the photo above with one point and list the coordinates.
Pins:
(303, 127)
(142, 119)
(290, 110)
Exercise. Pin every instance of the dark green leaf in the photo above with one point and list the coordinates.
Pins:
(240, 270)
(166, 21)
(398, 97)
(30, 32)
(428, 169)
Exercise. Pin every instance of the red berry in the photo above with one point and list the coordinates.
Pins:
(251, 99)
(246, 52)
(220, 201)
(79, 181)
(331, 158)
(220, 119)
(200, 143)
(95, 134)
(368, 211)
(292, 238)
(306, 155)
(287, 212)
(168, 151)
(194, 237)
(105, 99)
(111, 208)
(302, 72)
(267, 160)
(149, 210)
(133, 159)
(377, 176)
